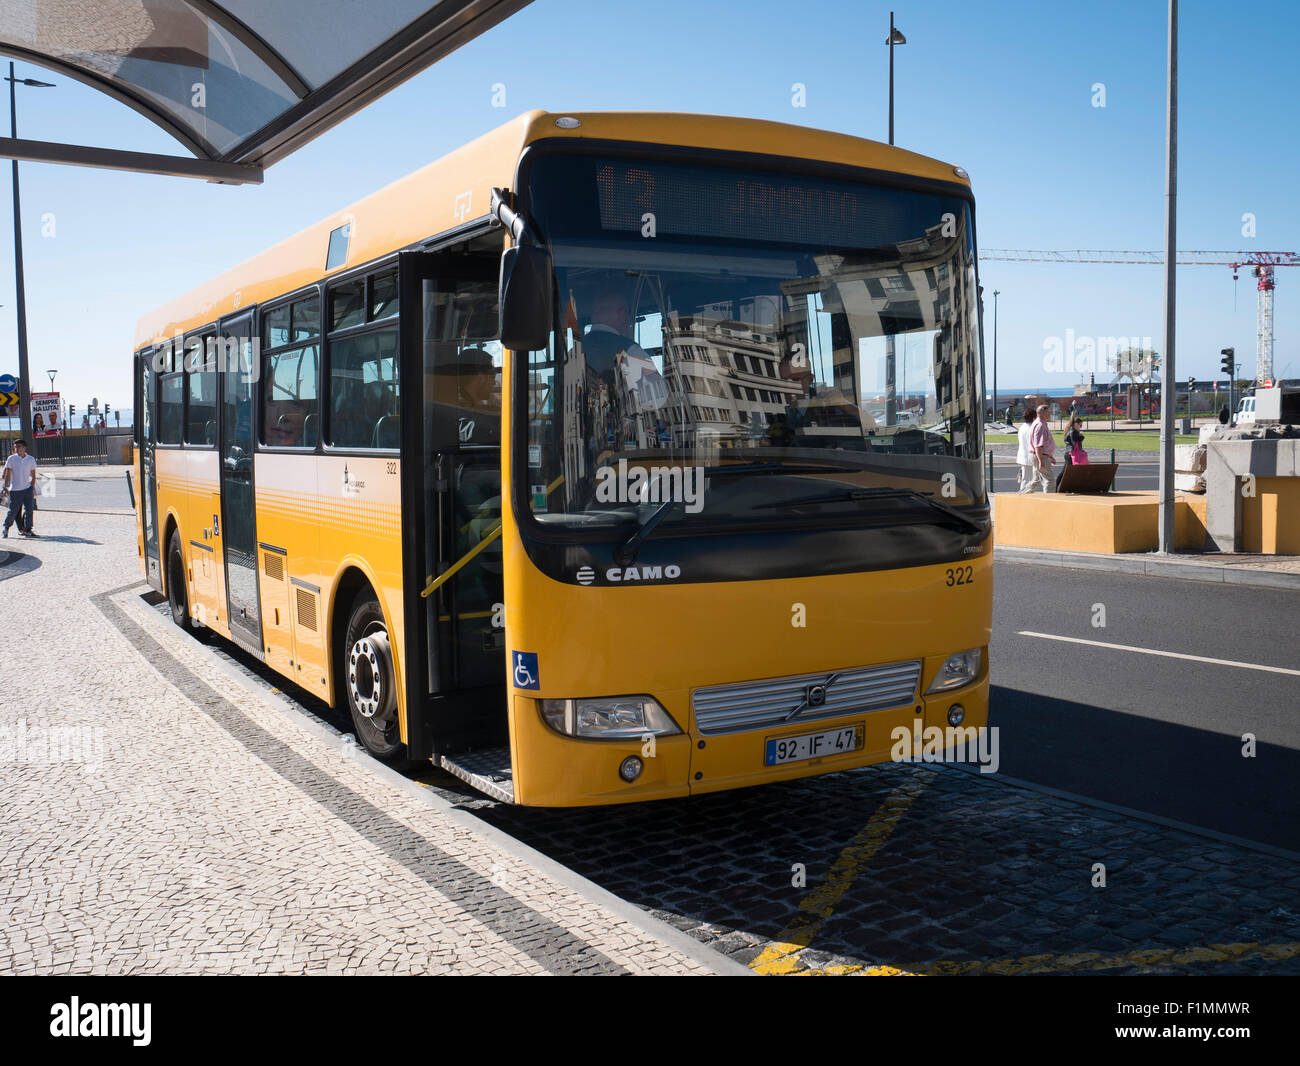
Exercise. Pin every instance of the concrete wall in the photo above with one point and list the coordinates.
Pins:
(1113, 524)
(1252, 491)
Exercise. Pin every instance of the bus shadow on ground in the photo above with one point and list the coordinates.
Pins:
(1175, 771)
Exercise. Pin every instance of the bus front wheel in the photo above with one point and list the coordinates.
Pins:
(370, 680)
(177, 596)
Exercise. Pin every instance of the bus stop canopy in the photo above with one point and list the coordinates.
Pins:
(240, 83)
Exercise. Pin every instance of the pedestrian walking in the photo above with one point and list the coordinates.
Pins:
(1024, 454)
(20, 483)
(1043, 446)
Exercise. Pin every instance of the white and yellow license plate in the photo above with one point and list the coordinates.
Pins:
(839, 741)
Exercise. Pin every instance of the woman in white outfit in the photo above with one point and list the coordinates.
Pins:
(1024, 453)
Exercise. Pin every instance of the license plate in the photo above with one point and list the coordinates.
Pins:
(815, 745)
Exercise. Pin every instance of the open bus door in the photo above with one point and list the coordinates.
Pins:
(451, 517)
(148, 378)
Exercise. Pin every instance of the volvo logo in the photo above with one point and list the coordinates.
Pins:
(814, 696)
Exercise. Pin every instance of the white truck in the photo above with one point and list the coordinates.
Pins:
(1278, 404)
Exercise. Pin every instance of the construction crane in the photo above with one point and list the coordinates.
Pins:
(1262, 265)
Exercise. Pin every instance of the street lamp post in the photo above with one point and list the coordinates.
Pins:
(995, 354)
(24, 385)
(1168, 373)
(895, 37)
(891, 399)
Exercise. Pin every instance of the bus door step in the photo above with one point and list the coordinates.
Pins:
(487, 770)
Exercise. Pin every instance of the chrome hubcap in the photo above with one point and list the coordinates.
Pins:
(370, 677)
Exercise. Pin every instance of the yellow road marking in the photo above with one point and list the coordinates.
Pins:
(1082, 960)
(1093, 960)
(782, 955)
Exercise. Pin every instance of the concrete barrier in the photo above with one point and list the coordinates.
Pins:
(1253, 492)
(1113, 524)
(1270, 519)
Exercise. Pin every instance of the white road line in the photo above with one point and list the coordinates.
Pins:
(1165, 654)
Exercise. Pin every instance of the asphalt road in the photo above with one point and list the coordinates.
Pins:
(82, 488)
(1161, 735)
(1133, 476)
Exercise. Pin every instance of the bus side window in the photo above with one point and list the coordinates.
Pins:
(364, 390)
(170, 409)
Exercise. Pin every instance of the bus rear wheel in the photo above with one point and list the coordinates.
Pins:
(369, 680)
(177, 596)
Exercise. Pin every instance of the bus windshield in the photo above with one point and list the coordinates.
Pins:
(739, 346)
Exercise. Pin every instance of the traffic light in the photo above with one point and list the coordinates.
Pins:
(1225, 364)
(72, 410)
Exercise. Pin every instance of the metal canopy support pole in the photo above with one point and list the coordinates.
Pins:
(1169, 375)
(24, 378)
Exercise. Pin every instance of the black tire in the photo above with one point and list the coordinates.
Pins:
(178, 596)
(369, 682)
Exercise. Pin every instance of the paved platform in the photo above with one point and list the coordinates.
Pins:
(1273, 571)
(158, 814)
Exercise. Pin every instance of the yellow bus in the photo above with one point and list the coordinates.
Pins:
(611, 457)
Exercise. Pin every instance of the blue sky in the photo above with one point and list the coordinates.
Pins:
(1004, 89)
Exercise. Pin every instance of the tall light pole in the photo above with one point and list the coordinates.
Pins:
(995, 354)
(51, 374)
(1168, 375)
(24, 385)
(891, 398)
(895, 37)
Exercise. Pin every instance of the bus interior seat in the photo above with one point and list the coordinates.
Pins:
(387, 432)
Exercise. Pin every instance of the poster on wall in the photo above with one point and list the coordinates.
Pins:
(45, 415)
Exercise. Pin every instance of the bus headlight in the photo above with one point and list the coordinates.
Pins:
(609, 718)
(957, 670)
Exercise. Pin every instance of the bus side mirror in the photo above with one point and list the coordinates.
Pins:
(526, 297)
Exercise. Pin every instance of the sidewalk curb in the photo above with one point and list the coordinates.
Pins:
(681, 942)
(1143, 563)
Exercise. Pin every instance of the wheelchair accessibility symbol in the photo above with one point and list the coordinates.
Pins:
(526, 673)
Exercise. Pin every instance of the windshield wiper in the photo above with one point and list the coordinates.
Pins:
(849, 495)
(626, 551)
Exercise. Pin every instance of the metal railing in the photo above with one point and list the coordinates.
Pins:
(84, 448)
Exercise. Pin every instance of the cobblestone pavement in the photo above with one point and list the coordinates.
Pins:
(928, 869)
(158, 815)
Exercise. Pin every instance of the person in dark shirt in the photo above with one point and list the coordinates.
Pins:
(608, 336)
